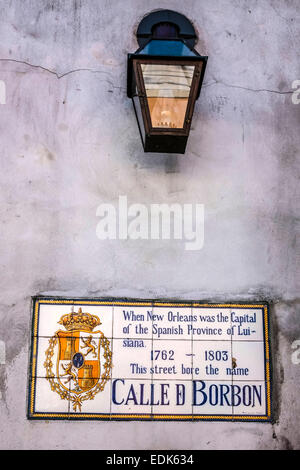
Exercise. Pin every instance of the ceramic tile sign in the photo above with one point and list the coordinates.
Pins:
(149, 360)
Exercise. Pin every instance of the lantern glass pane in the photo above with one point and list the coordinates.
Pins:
(168, 90)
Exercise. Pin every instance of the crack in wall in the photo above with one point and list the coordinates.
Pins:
(205, 85)
(256, 90)
(59, 76)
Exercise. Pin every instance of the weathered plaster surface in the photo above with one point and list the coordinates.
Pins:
(69, 142)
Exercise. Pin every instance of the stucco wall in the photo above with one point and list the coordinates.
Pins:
(69, 142)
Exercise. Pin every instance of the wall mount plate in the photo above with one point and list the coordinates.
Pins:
(186, 30)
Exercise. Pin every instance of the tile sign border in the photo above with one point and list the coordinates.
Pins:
(41, 300)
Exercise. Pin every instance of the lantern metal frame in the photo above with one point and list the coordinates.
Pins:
(162, 139)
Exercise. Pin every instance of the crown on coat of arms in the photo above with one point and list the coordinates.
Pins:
(79, 321)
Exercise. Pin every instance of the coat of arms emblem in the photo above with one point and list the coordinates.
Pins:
(83, 359)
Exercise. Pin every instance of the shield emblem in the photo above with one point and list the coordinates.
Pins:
(78, 361)
(81, 354)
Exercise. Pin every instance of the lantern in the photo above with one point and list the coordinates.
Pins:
(164, 81)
